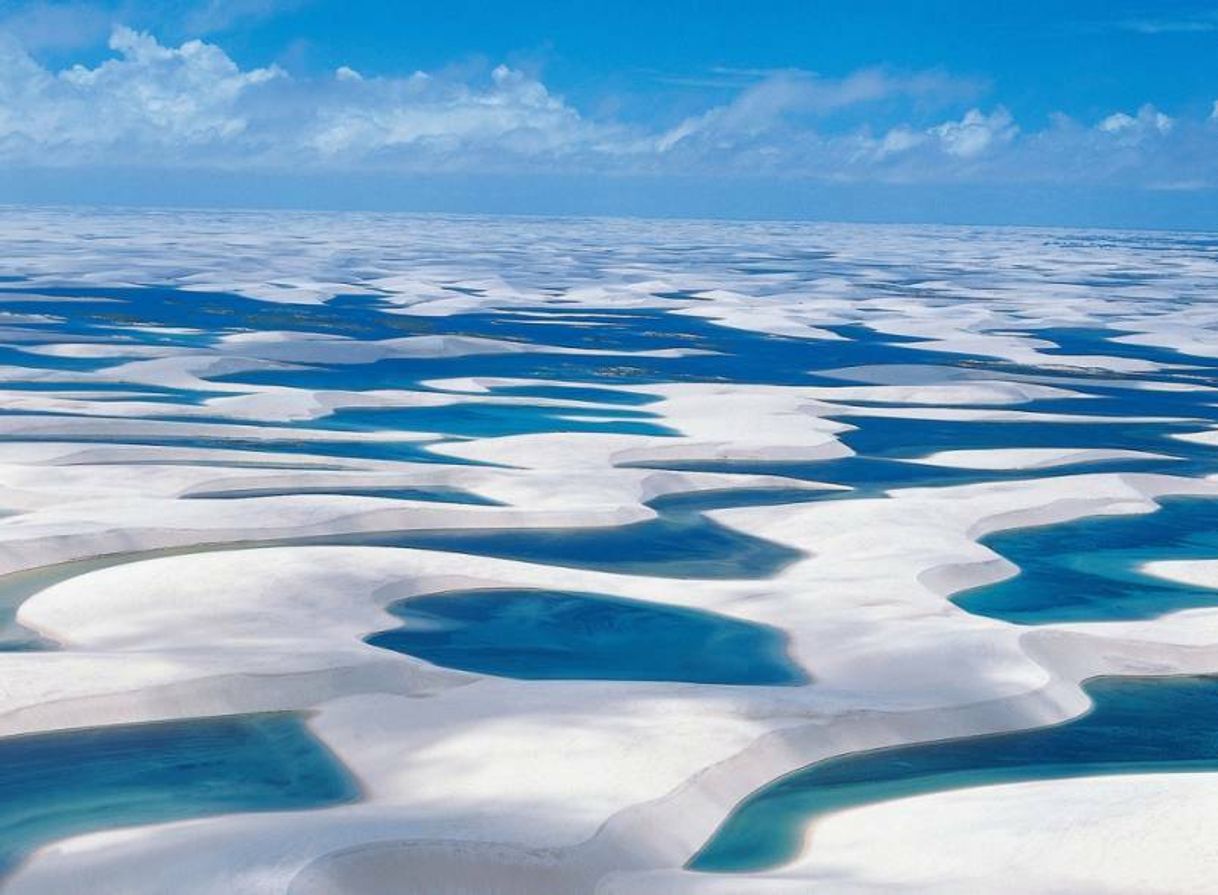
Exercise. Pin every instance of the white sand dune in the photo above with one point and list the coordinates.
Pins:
(177, 580)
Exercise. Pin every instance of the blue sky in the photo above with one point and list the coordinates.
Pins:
(987, 112)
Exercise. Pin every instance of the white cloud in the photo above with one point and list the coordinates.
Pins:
(149, 97)
(782, 96)
(1117, 122)
(446, 121)
(192, 104)
(976, 132)
(1149, 120)
(900, 139)
(152, 106)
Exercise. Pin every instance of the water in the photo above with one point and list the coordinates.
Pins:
(17, 587)
(431, 494)
(1072, 572)
(872, 476)
(588, 394)
(547, 635)
(891, 437)
(745, 356)
(680, 543)
(680, 540)
(479, 420)
(1088, 570)
(67, 783)
(739, 356)
(1136, 726)
(677, 545)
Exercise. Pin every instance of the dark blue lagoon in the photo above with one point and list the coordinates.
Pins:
(1089, 570)
(1136, 726)
(482, 420)
(57, 785)
(589, 394)
(676, 545)
(557, 635)
(730, 354)
(908, 437)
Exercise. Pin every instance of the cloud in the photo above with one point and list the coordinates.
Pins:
(150, 107)
(441, 121)
(147, 100)
(967, 138)
(900, 139)
(781, 97)
(976, 132)
(192, 105)
(1149, 120)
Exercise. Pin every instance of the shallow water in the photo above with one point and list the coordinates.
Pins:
(873, 476)
(17, 587)
(1076, 571)
(1138, 725)
(551, 635)
(679, 541)
(1088, 570)
(63, 784)
(476, 420)
(890, 437)
(676, 545)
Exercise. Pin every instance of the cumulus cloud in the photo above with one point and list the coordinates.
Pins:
(969, 137)
(148, 97)
(1149, 120)
(976, 132)
(437, 118)
(192, 104)
(151, 105)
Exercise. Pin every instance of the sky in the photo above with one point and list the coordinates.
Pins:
(1071, 113)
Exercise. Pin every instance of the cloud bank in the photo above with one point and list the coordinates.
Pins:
(159, 106)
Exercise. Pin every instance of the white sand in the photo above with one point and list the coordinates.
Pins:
(483, 785)
(1030, 458)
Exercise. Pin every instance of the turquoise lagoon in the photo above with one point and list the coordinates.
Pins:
(67, 783)
(61, 784)
(1137, 726)
(1089, 569)
(547, 635)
